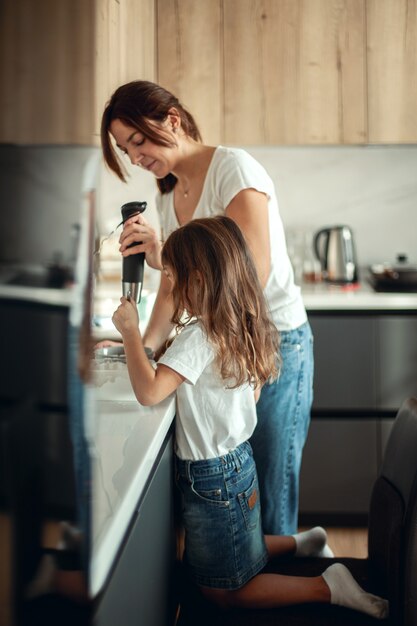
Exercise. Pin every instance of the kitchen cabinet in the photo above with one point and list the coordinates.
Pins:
(365, 367)
(60, 62)
(292, 71)
(391, 70)
(29, 331)
(140, 589)
(339, 467)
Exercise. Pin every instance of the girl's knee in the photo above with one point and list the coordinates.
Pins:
(223, 598)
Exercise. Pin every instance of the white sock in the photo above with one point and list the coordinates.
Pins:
(312, 542)
(345, 591)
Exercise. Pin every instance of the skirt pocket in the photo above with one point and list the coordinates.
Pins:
(249, 504)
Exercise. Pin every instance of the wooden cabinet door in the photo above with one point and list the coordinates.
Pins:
(46, 68)
(392, 70)
(267, 72)
(124, 48)
(294, 72)
(190, 59)
(61, 60)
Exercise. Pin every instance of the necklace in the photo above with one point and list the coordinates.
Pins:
(184, 190)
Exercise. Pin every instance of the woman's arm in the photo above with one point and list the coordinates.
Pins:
(149, 385)
(249, 209)
(159, 326)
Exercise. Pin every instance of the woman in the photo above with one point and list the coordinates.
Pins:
(150, 126)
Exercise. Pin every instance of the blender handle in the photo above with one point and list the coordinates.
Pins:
(324, 232)
(133, 265)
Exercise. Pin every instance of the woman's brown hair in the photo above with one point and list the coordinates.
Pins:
(210, 255)
(135, 104)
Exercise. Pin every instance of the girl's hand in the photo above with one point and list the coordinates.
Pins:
(136, 230)
(126, 317)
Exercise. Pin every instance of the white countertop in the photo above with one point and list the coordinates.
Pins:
(53, 297)
(125, 442)
(327, 297)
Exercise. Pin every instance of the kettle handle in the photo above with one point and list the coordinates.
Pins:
(324, 232)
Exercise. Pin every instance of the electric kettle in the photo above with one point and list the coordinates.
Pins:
(335, 249)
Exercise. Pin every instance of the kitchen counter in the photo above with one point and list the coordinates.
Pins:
(52, 297)
(125, 442)
(327, 297)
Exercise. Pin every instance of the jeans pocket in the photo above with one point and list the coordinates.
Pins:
(249, 504)
(211, 496)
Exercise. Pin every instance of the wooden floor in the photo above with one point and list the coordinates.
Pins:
(348, 541)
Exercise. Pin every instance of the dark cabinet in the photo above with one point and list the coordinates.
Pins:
(365, 366)
(339, 466)
(396, 360)
(344, 352)
(34, 343)
(140, 589)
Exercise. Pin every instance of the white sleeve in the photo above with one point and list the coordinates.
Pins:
(189, 354)
(241, 171)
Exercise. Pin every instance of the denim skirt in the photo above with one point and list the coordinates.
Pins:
(224, 542)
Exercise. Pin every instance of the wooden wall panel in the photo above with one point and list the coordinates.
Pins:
(125, 47)
(45, 71)
(190, 59)
(294, 71)
(60, 60)
(392, 70)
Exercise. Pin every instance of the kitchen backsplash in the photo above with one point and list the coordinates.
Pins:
(373, 189)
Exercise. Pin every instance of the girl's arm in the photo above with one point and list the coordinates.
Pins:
(149, 385)
(249, 209)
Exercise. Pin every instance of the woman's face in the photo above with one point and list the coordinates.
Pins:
(159, 160)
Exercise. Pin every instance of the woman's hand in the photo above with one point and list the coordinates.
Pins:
(136, 230)
(126, 317)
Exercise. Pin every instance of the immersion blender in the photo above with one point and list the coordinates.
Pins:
(132, 272)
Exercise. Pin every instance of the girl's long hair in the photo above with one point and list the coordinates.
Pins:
(136, 103)
(216, 281)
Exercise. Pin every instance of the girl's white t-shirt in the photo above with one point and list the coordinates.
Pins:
(231, 170)
(211, 419)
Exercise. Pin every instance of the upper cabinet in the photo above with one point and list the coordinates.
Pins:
(392, 71)
(292, 71)
(191, 59)
(61, 60)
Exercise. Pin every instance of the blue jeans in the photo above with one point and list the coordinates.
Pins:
(224, 543)
(283, 413)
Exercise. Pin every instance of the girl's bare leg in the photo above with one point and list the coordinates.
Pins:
(280, 545)
(335, 586)
(266, 591)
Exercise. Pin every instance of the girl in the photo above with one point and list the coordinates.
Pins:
(224, 351)
(152, 128)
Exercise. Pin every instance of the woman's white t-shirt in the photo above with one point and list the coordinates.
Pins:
(231, 170)
(211, 419)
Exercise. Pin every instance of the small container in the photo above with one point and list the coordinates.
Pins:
(311, 265)
(311, 271)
